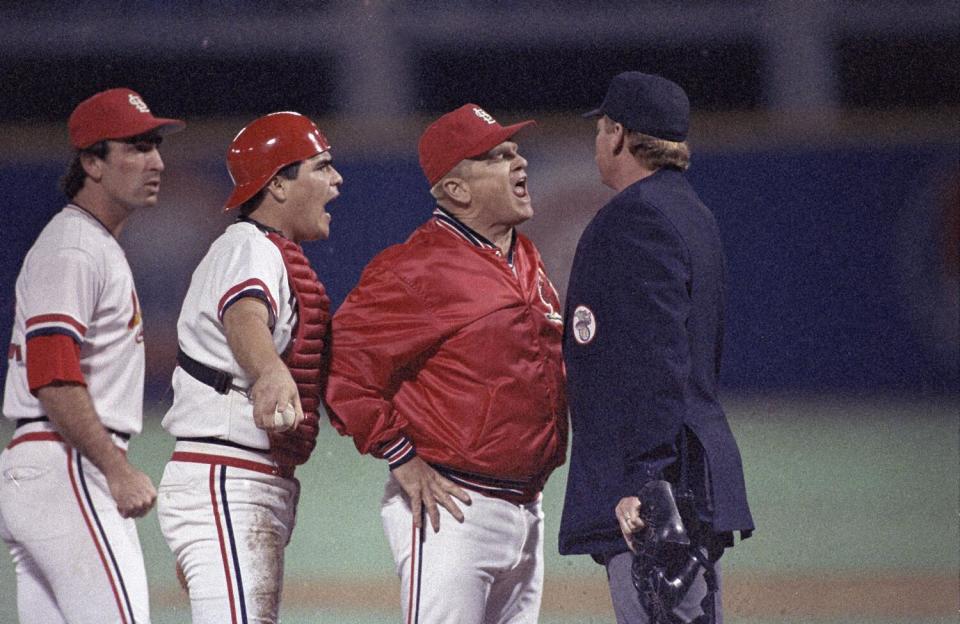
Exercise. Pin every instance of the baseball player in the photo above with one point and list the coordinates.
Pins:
(446, 363)
(74, 386)
(247, 385)
(645, 314)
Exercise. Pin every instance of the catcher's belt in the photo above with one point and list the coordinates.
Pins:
(670, 557)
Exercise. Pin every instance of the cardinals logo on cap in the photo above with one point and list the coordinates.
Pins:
(137, 102)
(484, 115)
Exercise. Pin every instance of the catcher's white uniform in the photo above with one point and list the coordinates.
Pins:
(225, 511)
(77, 560)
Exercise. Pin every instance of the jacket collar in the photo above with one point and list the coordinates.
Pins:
(447, 220)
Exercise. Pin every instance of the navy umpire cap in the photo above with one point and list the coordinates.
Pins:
(648, 104)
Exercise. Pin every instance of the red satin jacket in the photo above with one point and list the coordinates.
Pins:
(449, 351)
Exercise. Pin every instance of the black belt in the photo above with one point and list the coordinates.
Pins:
(218, 380)
(221, 442)
(29, 421)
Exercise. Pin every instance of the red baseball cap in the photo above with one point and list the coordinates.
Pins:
(464, 133)
(115, 114)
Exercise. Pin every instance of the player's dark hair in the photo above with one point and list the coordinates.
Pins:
(289, 172)
(72, 180)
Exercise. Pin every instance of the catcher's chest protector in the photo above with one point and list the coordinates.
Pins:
(304, 357)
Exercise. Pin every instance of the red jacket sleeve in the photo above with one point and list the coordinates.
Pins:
(380, 334)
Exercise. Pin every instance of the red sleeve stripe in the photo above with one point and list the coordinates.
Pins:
(254, 293)
(51, 359)
(243, 290)
(58, 320)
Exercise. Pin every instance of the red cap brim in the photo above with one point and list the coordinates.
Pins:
(497, 137)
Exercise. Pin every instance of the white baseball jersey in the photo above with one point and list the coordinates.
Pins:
(242, 262)
(76, 281)
(77, 560)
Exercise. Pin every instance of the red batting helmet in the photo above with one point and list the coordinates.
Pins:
(266, 146)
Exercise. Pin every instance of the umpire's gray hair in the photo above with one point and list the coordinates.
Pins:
(653, 153)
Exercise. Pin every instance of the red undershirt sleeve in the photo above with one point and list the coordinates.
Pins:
(53, 358)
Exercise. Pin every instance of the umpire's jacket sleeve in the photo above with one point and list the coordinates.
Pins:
(628, 385)
(650, 308)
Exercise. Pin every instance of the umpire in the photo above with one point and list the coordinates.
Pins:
(642, 346)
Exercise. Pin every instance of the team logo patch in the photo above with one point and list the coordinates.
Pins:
(136, 319)
(584, 325)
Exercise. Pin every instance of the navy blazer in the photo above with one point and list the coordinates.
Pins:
(642, 345)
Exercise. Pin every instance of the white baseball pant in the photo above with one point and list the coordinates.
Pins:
(77, 560)
(228, 526)
(487, 570)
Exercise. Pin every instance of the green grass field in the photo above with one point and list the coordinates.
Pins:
(855, 504)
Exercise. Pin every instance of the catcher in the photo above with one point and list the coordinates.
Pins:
(247, 386)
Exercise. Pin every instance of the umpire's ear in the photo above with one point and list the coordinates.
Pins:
(620, 136)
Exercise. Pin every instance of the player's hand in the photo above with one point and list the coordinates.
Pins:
(427, 488)
(132, 490)
(293, 448)
(628, 515)
(273, 394)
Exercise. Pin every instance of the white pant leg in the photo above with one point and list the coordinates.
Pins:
(36, 603)
(78, 561)
(517, 592)
(487, 569)
(228, 528)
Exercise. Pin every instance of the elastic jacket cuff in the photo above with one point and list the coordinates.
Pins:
(397, 452)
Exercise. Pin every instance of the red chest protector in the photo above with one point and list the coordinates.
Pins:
(304, 357)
